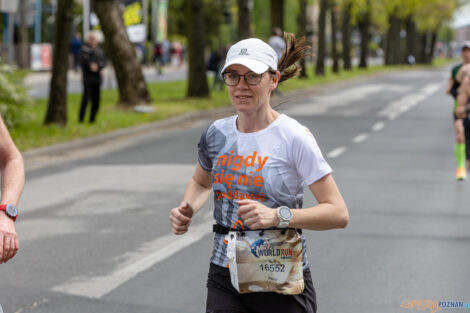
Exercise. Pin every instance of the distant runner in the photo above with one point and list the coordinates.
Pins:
(453, 89)
(462, 110)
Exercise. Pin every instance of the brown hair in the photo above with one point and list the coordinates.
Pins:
(295, 50)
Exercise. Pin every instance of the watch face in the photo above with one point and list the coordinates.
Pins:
(11, 210)
(285, 212)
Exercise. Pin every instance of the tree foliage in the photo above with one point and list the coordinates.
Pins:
(13, 98)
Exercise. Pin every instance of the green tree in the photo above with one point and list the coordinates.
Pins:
(23, 36)
(302, 31)
(132, 87)
(57, 105)
(320, 64)
(277, 14)
(197, 81)
(244, 19)
(346, 34)
(364, 22)
(334, 49)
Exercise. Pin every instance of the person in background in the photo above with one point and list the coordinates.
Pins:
(75, 46)
(462, 109)
(279, 45)
(277, 42)
(12, 173)
(453, 90)
(93, 62)
(158, 57)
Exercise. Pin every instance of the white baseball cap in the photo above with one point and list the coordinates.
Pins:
(465, 44)
(253, 53)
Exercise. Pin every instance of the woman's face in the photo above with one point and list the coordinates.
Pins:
(250, 98)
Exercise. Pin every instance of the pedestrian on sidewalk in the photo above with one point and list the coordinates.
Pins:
(276, 41)
(257, 162)
(75, 47)
(93, 62)
(12, 173)
(460, 138)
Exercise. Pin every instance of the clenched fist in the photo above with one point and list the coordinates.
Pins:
(180, 218)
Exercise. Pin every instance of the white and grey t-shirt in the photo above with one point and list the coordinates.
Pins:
(271, 166)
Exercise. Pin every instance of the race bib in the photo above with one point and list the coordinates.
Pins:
(266, 261)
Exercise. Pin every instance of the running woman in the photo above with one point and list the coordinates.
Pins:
(463, 99)
(257, 162)
(452, 89)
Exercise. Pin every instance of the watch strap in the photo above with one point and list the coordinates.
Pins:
(3, 207)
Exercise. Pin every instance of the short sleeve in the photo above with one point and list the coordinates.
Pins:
(203, 152)
(308, 159)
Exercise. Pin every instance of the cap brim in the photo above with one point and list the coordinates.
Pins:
(254, 65)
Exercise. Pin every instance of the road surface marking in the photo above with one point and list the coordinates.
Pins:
(360, 138)
(136, 262)
(378, 126)
(336, 152)
(403, 104)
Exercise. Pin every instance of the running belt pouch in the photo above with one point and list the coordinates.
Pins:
(268, 261)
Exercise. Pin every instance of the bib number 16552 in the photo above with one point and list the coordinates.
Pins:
(272, 267)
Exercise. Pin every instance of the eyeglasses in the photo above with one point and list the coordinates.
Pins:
(232, 78)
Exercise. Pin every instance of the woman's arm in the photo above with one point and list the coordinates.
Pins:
(331, 211)
(462, 98)
(197, 191)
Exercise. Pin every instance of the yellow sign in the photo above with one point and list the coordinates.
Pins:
(133, 14)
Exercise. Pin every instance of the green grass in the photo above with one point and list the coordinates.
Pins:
(169, 100)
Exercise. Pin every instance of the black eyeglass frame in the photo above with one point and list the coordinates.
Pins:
(244, 77)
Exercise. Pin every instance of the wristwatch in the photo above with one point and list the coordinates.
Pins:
(285, 215)
(10, 210)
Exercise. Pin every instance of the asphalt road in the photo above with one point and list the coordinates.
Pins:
(95, 235)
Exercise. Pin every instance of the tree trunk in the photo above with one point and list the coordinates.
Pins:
(421, 44)
(364, 25)
(320, 66)
(334, 49)
(302, 20)
(197, 81)
(23, 37)
(392, 51)
(244, 19)
(431, 48)
(346, 36)
(277, 16)
(131, 83)
(411, 38)
(57, 106)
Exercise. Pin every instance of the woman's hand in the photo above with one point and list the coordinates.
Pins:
(180, 218)
(256, 215)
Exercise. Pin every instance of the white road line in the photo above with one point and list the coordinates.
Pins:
(360, 138)
(336, 152)
(403, 104)
(136, 262)
(378, 126)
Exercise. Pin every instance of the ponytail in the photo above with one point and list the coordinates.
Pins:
(295, 50)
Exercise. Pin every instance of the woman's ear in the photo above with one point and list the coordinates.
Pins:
(275, 80)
